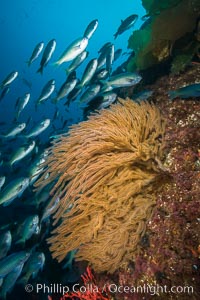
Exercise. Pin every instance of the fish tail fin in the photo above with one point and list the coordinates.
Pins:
(115, 35)
(40, 70)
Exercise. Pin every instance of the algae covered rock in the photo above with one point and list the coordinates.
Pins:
(169, 21)
(183, 57)
(155, 6)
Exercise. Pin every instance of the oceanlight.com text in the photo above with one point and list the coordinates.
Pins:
(150, 289)
(57, 288)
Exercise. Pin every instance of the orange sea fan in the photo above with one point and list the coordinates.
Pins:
(104, 171)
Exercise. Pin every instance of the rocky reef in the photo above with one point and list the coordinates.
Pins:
(170, 250)
(171, 33)
(167, 265)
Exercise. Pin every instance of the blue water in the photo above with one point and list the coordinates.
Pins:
(25, 23)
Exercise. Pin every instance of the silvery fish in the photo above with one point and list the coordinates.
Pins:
(104, 47)
(56, 114)
(27, 229)
(36, 52)
(65, 89)
(47, 90)
(10, 78)
(188, 91)
(13, 190)
(5, 243)
(41, 196)
(90, 93)
(50, 209)
(27, 83)
(4, 92)
(88, 73)
(10, 280)
(108, 99)
(21, 152)
(73, 50)
(35, 170)
(92, 26)
(14, 131)
(101, 74)
(110, 58)
(117, 54)
(21, 104)
(102, 59)
(77, 61)
(47, 54)
(75, 92)
(69, 260)
(143, 95)
(122, 80)
(39, 128)
(126, 24)
(2, 181)
(34, 264)
(10, 262)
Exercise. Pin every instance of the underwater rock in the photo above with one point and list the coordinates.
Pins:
(155, 6)
(153, 43)
(172, 255)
